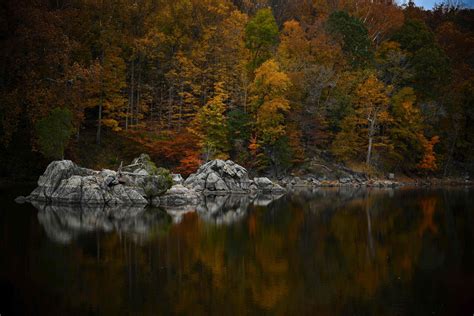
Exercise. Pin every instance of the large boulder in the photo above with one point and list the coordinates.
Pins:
(266, 185)
(64, 182)
(55, 173)
(219, 177)
(179, 195)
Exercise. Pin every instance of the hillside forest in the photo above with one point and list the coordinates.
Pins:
(273, 85)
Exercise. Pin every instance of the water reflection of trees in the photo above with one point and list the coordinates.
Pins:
(328, 251)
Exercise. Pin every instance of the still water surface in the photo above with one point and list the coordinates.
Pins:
(326, 252)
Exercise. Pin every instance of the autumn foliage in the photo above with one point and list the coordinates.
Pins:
(268, 84)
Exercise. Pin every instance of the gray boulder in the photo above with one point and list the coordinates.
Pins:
(179, 195)
(266, 185)
(55, 173)
(219, 177)
(66, 183)
(177, 178)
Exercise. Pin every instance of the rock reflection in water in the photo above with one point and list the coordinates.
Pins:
(222, 209)
(65, 223)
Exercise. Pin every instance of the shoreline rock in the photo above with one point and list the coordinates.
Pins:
(142, 183)
(219, 177)
(63, 182)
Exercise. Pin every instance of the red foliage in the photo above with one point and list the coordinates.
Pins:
(178, 151)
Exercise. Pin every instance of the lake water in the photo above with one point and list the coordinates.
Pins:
(326, 252)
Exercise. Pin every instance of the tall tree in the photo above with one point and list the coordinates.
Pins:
(363, 126)
(354, 36)
(210, 125)
(261, 37)
(269, 105)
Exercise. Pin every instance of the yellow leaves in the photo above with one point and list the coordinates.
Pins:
(269, 102)
(210, 124)
(270, 119)
(294, 49)
(113, 124)
(385, 49)
(268, 77)
(372, 100)
(372, 93)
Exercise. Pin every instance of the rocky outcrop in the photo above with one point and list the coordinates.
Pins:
(177, 178)
(219, 177)
(266, 186)
(292, 183)
(66, 183)
(179, 195)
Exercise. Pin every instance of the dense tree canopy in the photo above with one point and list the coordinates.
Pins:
(270, 84)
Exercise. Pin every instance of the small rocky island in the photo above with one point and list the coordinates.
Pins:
(142, 183)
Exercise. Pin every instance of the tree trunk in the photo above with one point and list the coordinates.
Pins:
(369, 150)
(181, 101)
(130, 97)
(137, 105)
(99, 122)
(371, 137)
(451, 152)
(170, 107)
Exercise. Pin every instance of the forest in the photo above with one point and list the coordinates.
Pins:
(270, 84)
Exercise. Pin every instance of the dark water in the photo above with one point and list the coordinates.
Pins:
(328, 252)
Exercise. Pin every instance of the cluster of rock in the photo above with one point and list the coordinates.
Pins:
(349, 180)
(222, 177)
(64, 182)
(142, 183)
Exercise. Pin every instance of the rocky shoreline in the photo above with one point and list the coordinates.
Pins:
(312, 181)
(141, 183)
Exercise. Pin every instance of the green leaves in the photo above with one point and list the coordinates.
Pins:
(261, 36)
(354, 35)
(428, 61)
(54, 132)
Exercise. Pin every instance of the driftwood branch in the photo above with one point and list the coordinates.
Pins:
(325, 167)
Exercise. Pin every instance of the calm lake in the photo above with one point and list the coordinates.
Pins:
(322, 252)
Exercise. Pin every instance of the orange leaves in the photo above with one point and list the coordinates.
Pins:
(428, 162)
(179, 151)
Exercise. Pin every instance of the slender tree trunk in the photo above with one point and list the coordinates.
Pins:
(99, 122)
(244, 98)
(130, 97)
(371, 137)
(181, 101)
(170, 107)
(451, 152)
(369, 150)
(137, 105)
